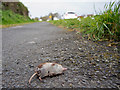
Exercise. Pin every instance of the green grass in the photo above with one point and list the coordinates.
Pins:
(9, 17)
(70, 23)
(0, 17)
(105, 26)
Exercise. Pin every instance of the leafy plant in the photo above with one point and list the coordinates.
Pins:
(106, 25)
(9, 17)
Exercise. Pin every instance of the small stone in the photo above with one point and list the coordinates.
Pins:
(118, 82)
(81, 51)
(85, 41)
(62, 84)
(75, 79)
(80, 48)
(98, 82)
(70, 84)
(106, 61)
(79, 83)
(98, 60)
(118, 71)
(97, 65)
(12, 71)
(44, 81)
(33, 84)
(115, 49)
(16, 86)
(17, 62)
(103, 61)
(97, 71)
(83, 80)
(69, 81)
(17, 74)
(90, 76)
(104, 77)
(107, 50)
(31, 66)
(7, 73)
(66, 79)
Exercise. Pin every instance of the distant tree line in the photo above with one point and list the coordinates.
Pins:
(50, 16)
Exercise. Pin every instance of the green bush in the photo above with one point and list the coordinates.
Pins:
(9, 17)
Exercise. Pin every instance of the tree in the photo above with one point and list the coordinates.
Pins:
(36, 18)
(44, 18)
(53, 15)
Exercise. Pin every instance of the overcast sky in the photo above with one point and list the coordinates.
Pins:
(38, 8)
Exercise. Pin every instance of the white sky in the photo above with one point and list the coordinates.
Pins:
(67, 0)
(38, 8)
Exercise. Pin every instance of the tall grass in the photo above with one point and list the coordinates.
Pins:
(68, 23)
(0, 17)
(104, 26)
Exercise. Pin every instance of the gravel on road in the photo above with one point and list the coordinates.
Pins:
(90, 64)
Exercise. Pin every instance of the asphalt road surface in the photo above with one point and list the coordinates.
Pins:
(90, 64)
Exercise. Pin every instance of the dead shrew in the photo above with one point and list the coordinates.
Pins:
(48, 69)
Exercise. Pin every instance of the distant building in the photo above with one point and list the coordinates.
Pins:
(84, 16)
(90, 15)
(81, 16)
(55, 18)
(40, 19)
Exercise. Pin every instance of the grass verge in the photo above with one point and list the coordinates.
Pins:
(105, 26)
(9, 18)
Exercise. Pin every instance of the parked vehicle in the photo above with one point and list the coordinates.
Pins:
(70, 15)
(55, 18)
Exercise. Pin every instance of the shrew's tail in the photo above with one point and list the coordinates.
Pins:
(32, 77)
